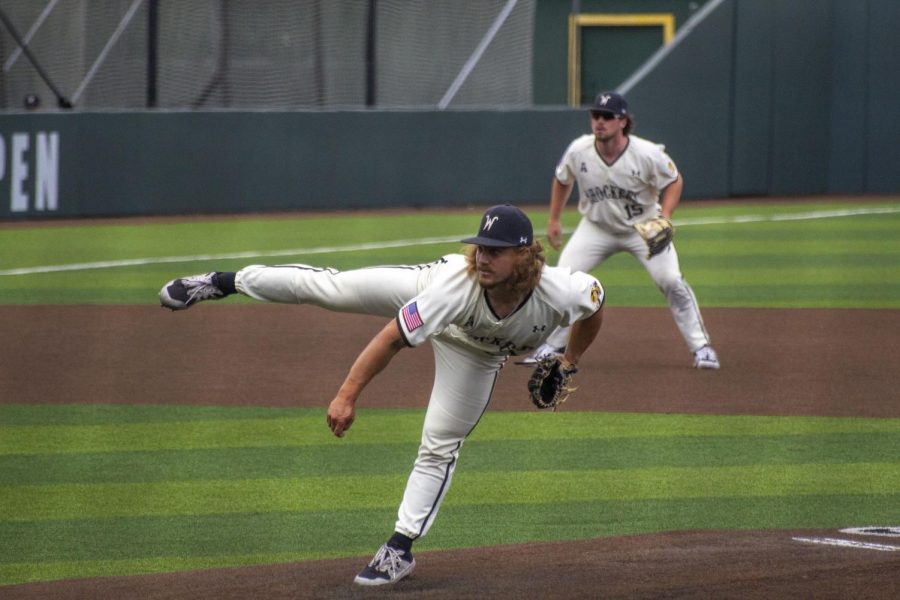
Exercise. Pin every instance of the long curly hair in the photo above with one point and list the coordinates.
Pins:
(527, 272)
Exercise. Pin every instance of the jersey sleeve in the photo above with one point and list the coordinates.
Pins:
(663, 170)
(436, 307)
(587, 296)
(565, 170)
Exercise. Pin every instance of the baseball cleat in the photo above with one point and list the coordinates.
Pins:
(543, 351)
(705, 358)
(389, 566)
(184, 292)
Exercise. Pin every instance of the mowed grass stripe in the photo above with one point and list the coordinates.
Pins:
(45, 550)
(233, 433)
(811, 276)
(101, 414)
(315, 533)
(69, 501)
(477, 455)
(402, 426)
(103, 243)
(737, 239)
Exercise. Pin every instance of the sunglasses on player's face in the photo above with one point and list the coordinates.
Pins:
(606, 116)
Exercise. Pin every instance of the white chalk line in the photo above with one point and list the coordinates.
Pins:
(232, 255)
(847, 544)
(108, 264)
(877, 530)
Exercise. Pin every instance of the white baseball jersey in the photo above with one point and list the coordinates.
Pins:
(618, 195)
(454, 306)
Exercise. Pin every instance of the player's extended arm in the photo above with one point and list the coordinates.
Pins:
(371, 361)
(559, 195)
(670, 197)
(582, 336)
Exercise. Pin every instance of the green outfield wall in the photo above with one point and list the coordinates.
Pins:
(92, 164)
(768, 97)
(761, 98)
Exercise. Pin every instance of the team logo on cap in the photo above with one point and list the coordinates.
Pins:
(489, 222)
(604, 98)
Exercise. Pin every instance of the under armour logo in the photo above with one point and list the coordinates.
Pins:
(583, 168)
(523, 240)
(537, 328)
(489, 222)
(635, 173)
(604, 98)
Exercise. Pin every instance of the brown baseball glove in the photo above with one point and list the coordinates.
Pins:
(658, 234)
(551, 382)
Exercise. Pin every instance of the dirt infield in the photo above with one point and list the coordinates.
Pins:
(775, 362)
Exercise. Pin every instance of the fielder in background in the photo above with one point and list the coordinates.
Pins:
(628, 190)
(496, 300)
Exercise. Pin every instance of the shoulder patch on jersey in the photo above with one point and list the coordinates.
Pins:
(411, 317)
(595, 294)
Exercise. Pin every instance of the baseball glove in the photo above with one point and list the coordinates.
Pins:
(658, 234)
(551, 382)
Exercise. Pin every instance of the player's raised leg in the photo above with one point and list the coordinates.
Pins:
(374, 290)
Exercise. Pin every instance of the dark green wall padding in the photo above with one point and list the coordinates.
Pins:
(762, 98)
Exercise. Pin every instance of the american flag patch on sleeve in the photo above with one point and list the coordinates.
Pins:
(411, 316)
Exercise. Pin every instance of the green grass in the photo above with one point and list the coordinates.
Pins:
(732, 255)
(105, 490)
(92, 490)
(89, 548)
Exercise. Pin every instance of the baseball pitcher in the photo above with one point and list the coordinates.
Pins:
(475, 309)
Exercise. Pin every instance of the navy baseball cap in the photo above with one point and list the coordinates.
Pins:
(610, 102)
(503, 226)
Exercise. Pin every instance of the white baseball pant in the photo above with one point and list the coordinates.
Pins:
(463, 382)
(590, 245)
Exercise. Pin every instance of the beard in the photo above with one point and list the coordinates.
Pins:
(490, 283)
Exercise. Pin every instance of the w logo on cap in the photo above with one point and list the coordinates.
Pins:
(610, 102)
(503, 226)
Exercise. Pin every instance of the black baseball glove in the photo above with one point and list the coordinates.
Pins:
(551, 382)
(658, 234)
